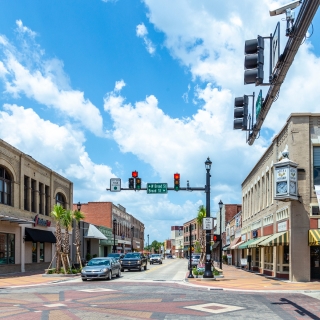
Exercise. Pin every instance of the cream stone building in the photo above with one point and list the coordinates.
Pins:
(281, 238)
(28, 191)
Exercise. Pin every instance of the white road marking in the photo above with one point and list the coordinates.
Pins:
(222, 308)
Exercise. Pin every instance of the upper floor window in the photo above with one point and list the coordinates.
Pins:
(316, 165)
(60, 199)
(5, 186)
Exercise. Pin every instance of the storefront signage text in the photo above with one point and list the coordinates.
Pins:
(41, 222)
(282, 226)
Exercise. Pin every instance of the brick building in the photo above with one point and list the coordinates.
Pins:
(28, 191)
(127, 231)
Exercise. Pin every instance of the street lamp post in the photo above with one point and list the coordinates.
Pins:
(190, 252)
(132, 231)
(114, 235)
(220, 258)
(148, 247)
(208, 272)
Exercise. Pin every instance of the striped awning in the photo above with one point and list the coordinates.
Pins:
(256, 242)
(246, 244)
(234, 242)
(278, 239)
(236, 245)
(314, 237)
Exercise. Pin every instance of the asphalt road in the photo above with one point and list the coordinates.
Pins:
(157, 293)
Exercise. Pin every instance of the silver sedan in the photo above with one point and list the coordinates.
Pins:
(101, 268)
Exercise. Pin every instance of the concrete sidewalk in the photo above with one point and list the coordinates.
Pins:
(241, 280)
(30, 279)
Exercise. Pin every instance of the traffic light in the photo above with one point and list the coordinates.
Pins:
(138, 183)
(135, 174)
(176, 177)
(216, 237)
(240, 113)
(254, 61)
(131, 183)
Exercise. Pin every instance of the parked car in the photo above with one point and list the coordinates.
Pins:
(117, 256)
(155, 258)
(134, 260)
(195, 259)
(169, 256)
(101, 268)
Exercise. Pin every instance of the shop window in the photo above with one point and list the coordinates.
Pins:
(7, 246)
(316, 165)
(34, 252)
(5, 186)
(257, 255)
(41, 252)
(60, 200)
(286, 255)
(33, 195)
(268, 258)
(41, 198)
(26, 194)
(46, 200)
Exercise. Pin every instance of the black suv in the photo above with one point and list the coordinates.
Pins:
(117, 256)
(134, 260)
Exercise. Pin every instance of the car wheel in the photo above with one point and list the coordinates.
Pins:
(122, 270)
(119, 273)
(161, 262)
(110, 275)
(145, 267)
(84, 279)
(150, 262)
(141, 267)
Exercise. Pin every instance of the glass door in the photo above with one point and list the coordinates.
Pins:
(315, 262)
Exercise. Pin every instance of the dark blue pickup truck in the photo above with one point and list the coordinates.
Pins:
(134, 260)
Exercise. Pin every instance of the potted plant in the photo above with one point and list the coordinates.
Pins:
(195, 272)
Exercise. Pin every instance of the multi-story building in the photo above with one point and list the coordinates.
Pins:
(282, 237)
(127, 231)
(191, 235)
(28, 191)
(177, 241)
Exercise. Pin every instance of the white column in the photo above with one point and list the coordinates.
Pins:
(22, 247)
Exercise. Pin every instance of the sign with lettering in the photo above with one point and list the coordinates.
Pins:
(41, 222)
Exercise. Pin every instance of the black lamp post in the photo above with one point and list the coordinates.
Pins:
(79, 206)
(208, 272)
(220, 258)
(190, 252)
(148, 247)
(132, 231)
(114, 235)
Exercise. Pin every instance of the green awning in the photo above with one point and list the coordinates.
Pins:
(245, 245)
(256, 242)
(278, 239)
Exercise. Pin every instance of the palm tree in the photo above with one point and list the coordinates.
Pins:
(66, 220)
(56, 214)
(78, 215)
(201, 214)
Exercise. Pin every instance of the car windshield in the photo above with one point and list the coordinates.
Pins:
(98, 262)
(195, 257)
(114, 255)
(155, 255)
(132, 255)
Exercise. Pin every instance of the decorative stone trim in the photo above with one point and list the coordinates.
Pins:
(282, 213)
(268, 220)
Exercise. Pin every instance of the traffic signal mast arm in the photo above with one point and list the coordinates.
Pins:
(171, 189)
(305, 16)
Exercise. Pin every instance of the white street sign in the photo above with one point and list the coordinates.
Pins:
(207, 223)
(115, 184)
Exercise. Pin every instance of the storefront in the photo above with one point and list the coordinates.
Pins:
(314, 243)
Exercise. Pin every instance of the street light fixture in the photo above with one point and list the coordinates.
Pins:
(79, 206)
(208, 272)
(148, 247)
(220, 254)
(114, 235)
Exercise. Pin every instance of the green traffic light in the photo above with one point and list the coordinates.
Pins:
(176, 188)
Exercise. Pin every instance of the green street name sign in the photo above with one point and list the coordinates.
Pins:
(157, 188)
(258, 104)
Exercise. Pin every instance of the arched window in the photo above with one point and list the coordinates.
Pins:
(61, 200)
(5, 186)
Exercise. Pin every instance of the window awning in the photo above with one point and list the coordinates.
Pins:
(215, 245)
(94, 233)
(278, 239)
(15, 219)
(36, 235)
(225, 248)
(236, 246)
(245, 245)
(234, 242)
(256, 242)
(314, 237)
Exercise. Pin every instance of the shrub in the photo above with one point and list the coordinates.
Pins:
(94, 256)
(195, 271)
(216, 272)
(88, 256)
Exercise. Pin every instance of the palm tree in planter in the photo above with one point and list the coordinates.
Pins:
(67, 223)
(78, 215)
(201, 214)
(57, 213)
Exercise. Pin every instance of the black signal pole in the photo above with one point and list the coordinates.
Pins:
(114, 235)
(190, 245)
(207, 271)
(220, 253)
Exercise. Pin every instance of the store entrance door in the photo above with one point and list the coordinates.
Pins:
(315, 262)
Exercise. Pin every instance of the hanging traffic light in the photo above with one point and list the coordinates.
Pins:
(176, 183)
(240, 113)
(254, 61)
(138, 183)
(216, 237)
(131, 183)
(135, 174)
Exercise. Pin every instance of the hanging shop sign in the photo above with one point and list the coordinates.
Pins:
(41, 222)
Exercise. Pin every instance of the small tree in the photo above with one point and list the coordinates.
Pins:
(78, 215)
(56, 214)
(200, 216)
(66, 220)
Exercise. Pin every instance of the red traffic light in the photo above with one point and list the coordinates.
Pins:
(176, 176)
(216, 238)
(134, 174)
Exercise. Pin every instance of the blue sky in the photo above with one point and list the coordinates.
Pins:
(97, 89)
